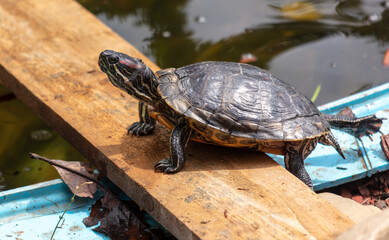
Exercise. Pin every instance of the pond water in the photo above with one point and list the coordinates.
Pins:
(338, 45)
(23, 132)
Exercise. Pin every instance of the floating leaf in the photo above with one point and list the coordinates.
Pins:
(302, 11)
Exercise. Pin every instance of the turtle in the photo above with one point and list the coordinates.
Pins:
(228, 104)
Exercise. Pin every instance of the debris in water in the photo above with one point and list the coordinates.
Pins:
(373, 18)
(248, 58)
(166, 34)
(41, 135)
(386, 58)
(300, 10)
(201, 19)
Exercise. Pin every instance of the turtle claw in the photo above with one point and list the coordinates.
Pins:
(368, 126)
(165, 166)
(140, 129)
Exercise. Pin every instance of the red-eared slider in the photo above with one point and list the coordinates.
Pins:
(228, 104)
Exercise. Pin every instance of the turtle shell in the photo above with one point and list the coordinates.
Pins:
(235, 100)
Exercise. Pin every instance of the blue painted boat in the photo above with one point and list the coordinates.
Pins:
(32, 212)
(326, 167)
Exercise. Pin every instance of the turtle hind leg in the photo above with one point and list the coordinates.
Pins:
(178, 141)
(358, 127)
(145, 125)
(295, 154)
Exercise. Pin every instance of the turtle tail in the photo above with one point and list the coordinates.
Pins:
(329, 139)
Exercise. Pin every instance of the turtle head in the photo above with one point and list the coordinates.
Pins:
(130, 75)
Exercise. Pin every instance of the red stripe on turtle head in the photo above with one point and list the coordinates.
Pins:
(131, 64)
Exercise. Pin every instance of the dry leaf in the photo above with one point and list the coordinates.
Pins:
(116, 219)
(72, 174)
(385, 145)
(346, 112)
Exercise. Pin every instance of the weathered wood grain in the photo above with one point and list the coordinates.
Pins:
(48, 58)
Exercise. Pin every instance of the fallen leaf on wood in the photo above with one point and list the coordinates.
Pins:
(77, 175)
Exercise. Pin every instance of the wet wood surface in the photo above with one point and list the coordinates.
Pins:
(48, 58)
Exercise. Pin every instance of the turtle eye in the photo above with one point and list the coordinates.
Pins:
(113, 59)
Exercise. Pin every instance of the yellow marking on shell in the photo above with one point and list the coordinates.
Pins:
(206, 134)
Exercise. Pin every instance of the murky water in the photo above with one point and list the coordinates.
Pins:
(337, 44)
(23, 132)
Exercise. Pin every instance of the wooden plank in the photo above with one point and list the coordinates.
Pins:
(48, 58)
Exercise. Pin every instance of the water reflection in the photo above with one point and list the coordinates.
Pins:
(342, 49)
(23, 132)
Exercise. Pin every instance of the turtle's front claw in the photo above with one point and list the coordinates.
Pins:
(165, 166)
(139, 129)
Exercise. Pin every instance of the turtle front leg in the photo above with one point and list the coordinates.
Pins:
(145, 125)
(295, 154)
(178, 141)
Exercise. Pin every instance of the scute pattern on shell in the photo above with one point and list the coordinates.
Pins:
(242, 101)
